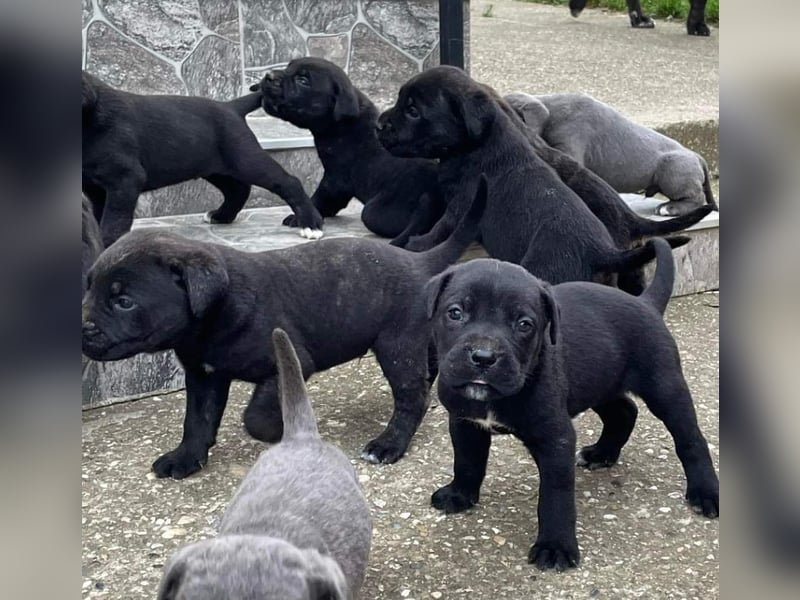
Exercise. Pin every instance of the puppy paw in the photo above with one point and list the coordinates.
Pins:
(178, 464)
(216, 218)
(311, 234)
(452, 500)
(700, 29)
(675, 209)
(704, 501)
(417, 244)
(383, 451)
(592, 457)
(290, 221)
(554, 555)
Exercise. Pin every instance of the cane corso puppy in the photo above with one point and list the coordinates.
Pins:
(133, 143)
(270, 545)
(532, 217)
(695, 23)
(154, 290)
(91, 239)
(630, 157)
(519, 356)
(315, 94)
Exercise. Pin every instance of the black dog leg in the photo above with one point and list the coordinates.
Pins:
(440, 232)
(407, 377)
(120, 206)
(263, 418)
(471, 445)
(206, 397)
(556, 545)
(670, 401)
(236, 194)
(639, 20)
(619, 417)
(696, 22)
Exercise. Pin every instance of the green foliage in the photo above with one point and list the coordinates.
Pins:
(488, 11)
(660, 9)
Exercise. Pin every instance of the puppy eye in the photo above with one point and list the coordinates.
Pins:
(302, 80)
(454, 313)
(123, 303)
(524, 325)
(412, 112)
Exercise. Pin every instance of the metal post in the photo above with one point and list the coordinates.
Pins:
(451, 32)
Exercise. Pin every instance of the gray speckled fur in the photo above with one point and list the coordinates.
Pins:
(630, 157)
(298, 528)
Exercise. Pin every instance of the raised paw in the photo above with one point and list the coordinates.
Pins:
(384, 451)
(592, 457)
(704, 501)
(215, 217)
(554, 555)
(178, 464)
(452, 500)
(700, 29)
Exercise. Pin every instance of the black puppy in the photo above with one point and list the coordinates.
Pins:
(532, 217)
(695, 23)
(92, 244)
(315, 94)
(519, 356)
(133, 143)
(217, 306)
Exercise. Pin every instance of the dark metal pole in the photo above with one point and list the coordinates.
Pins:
(451, 32)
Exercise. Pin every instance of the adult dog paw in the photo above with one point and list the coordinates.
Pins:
(383, 451)
(452, 500)
(704, 501)
(700, 29)
(554, 555)
(178, 464)
(592, 457)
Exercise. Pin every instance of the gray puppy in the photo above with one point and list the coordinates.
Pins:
(298, 528)
(630, 157)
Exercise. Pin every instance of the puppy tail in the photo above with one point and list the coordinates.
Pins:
(709, 193)
(648, 227)
(627, 260)
(449, 251)
(246, 104)
(298, 416)
(659, 291)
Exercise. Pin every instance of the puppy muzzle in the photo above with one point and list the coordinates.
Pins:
(481, 370)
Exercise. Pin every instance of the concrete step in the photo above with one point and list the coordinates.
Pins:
(260, 229)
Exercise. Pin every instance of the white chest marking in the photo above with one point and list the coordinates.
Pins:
(208, 368)
(490, 422)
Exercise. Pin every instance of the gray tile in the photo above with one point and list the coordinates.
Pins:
(323, 17)
(214, 69)
(124, 65)
(269, 35)
(334, 48)
(412, 25)
(221, 16)
(376, 67)
(168, 28)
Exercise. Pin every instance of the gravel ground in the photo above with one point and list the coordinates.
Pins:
(638, 538)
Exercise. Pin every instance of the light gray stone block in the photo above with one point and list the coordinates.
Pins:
(269, 35)
(323, 17)
(214, 69)
(118, 381)
(412, 25)
(334, 48)
(221, 16)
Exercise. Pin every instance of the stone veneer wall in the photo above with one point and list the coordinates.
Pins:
(218, 48)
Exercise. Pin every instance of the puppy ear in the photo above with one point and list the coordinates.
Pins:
(433, 290)
(204, 277)
(171, 583)
(346, 104)
(325, 579)
(477, 112)
(553, 313)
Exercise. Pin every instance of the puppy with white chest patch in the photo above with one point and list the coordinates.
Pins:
(299, 526)
(315, 94)
(519, 356)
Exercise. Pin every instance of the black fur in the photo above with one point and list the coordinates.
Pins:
(91, 239)
(532, 217)
(519, 356)
(695, 23)
(216, 306)
(133, 143)
(315, 94)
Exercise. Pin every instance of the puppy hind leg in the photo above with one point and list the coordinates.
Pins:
(235, 195)
(680, 177)
(619, 418)
(262, 417)
(669, 399)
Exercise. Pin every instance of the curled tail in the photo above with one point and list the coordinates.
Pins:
(627, 260)
(659, 291)
(709, 193)
(298, 416)
(464, 234)
(648, 227)
(245, 104)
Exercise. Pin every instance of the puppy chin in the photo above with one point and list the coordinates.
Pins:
(480, 392)
(104, 350)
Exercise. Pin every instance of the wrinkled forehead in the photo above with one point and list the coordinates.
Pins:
(493, 284)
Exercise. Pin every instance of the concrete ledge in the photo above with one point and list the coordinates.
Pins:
(260, 229)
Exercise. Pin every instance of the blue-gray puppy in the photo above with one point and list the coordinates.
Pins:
(630, 157)
(298, 528)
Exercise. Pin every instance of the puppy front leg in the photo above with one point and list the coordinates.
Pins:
(206, 397)
(440, 232)
(556, 545)
(471, 453)
(118, 210)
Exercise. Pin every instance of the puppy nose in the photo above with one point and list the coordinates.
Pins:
(483, 357)
(89, 327)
